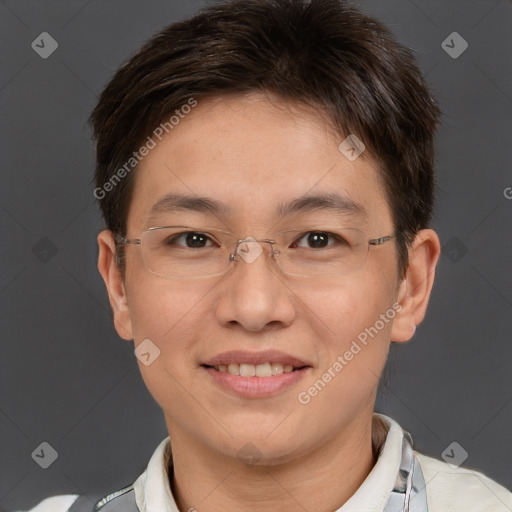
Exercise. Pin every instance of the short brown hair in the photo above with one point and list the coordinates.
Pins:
(324, 54)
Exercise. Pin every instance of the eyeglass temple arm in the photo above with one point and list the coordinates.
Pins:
(381, 240)
(121, 240)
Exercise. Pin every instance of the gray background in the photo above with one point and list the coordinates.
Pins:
(67, 379)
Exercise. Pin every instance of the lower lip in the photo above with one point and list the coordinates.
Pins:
(256, 387)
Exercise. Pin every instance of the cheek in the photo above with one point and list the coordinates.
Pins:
(171, 315)
(345, 309)
(177, 317)
(354, 347)
(159, 308)
(354, 342)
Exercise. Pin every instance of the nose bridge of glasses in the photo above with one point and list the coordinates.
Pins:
(250, 248)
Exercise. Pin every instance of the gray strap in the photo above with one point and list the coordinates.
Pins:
(84, 503)
(118, 501)
(409, 493)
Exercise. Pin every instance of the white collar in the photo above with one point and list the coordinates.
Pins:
(153, 492)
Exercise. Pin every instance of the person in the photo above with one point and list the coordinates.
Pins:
(265, 169)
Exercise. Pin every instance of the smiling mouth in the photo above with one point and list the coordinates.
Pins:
(251, 370)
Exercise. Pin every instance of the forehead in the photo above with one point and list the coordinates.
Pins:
(253, 159)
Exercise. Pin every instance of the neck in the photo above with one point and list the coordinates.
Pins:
(321, 480)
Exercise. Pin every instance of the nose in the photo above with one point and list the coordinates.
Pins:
(254, 294)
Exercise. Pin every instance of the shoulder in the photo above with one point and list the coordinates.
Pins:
(124, 499)
(457, 489)
(55, 504)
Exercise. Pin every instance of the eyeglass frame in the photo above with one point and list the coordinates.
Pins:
(121, 241)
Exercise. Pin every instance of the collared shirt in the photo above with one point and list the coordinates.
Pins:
(449, 489)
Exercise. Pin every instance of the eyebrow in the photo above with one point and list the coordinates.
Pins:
(327, 201)
(172, 202)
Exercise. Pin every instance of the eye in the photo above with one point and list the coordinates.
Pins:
(318, 240)
(190, 239)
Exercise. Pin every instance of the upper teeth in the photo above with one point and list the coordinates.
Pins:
(258, 370)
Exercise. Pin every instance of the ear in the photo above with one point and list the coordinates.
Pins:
(114, 282)
(416, 286)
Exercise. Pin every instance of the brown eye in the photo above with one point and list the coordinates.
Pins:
(190, 239)
(315, 240)
(318, 240)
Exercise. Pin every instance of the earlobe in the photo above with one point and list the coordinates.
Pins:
(416, 287)
(113, 279)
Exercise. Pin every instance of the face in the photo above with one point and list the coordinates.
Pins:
(252, 156)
